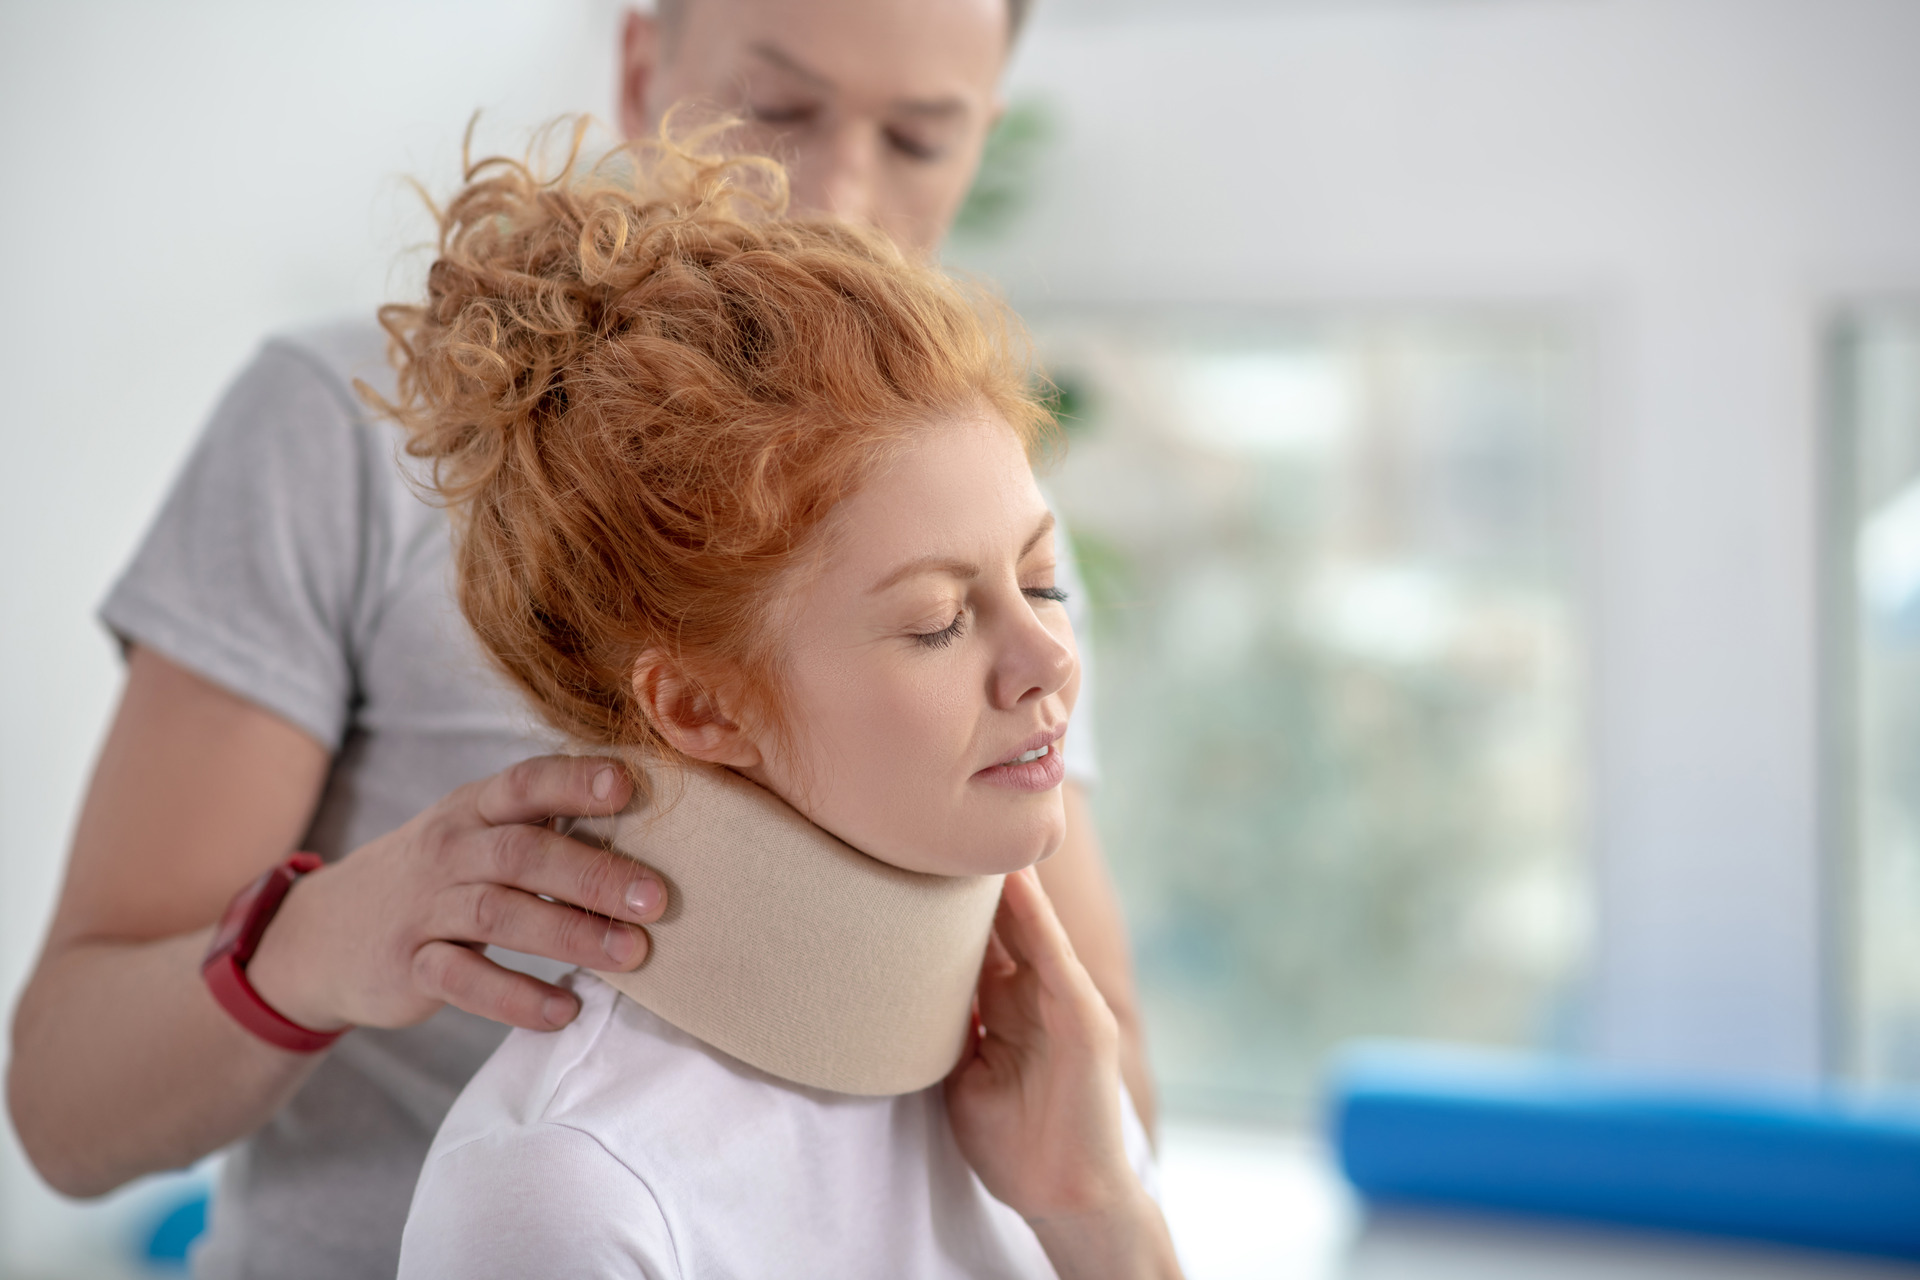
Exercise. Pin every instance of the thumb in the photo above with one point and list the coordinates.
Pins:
(1032, 933)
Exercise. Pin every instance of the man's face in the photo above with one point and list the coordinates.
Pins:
(879, 108)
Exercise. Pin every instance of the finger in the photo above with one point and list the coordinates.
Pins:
(1061, 1005)
(1003, 939)
(969, 1050)
(1033, 934)
(495, 915)
(1007, 998)
(999, 974)
(1009, 1007)
(538, 789)
(997, 963)
(554, 866)
(467, 980)
(1009, 929)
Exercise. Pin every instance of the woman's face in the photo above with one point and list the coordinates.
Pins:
(928, 666)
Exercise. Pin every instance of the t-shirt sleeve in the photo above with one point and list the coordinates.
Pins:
(1082, 764)
(543, 1200)
(254, 572)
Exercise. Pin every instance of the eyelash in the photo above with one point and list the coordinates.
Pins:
(912, 148)
(948, 634)
(944, 636)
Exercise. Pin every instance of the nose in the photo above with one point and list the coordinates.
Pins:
(1034, 663)
(844, 172)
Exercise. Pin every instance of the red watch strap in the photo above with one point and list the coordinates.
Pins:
(234, 942)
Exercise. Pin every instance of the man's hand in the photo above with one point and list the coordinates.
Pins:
(123, 1064)
(395, 929)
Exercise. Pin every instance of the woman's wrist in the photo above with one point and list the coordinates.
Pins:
(1127, 1240)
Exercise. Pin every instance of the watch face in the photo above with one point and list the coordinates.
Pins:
(233, 925)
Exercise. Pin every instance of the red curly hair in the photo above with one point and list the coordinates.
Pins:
(642, 387)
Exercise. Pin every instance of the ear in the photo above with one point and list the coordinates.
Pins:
(690, 716)
(639, 61)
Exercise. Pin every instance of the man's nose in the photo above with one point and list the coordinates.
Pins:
(847, 168)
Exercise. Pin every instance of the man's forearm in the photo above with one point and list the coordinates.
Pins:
(123, 1065)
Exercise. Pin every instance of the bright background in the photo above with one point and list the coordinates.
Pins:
(1475, 407)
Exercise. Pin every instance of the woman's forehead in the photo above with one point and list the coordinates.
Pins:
(964, 491)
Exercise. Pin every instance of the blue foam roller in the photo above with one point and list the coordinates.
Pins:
(173, 1234)
(1827, 1170)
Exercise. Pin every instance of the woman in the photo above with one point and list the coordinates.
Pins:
(747, 497)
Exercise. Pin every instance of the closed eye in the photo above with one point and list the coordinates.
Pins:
(782, 113)
(1055, 594)
(914, 148)
(945, 636)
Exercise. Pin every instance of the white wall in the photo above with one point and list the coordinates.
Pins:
(1701, 179)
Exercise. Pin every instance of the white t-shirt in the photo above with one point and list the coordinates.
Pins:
(622, 1147)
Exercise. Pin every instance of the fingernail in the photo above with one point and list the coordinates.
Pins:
(645, 896)
(557, 1010)
(603, 784)
(620, 943)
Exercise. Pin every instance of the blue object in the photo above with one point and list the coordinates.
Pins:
(172, 1235)
(1525, 1135)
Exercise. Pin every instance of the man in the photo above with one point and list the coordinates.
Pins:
(298, 679)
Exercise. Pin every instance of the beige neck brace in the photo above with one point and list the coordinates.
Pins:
(794, 952)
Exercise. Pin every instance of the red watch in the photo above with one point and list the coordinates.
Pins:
(234, 943)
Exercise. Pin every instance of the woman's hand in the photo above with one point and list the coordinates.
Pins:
(1035, 1102)
(394, 930)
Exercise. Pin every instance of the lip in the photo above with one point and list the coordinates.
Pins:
(1043, 774)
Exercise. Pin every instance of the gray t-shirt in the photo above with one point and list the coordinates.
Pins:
(295, 564)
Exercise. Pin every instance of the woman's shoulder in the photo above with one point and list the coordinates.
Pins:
(537, 1077)
(509, 1201)
(518, 1174)
(617, 1072)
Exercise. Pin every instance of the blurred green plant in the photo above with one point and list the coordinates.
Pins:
(1065, 397)
(1108, 574)
(1004, 185)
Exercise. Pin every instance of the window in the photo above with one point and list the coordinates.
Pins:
(1340, 719)
(1877, 572)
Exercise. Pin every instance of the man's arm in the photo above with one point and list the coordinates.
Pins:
(123, 1065)
(1077, 881)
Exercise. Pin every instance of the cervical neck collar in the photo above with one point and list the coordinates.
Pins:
(792, 951)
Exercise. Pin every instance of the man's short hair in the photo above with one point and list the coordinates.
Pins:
(669, 14)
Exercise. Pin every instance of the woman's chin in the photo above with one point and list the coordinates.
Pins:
(1018, 849)
(975, 848)
(971, 839)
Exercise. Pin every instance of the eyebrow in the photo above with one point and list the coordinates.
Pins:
(965, 570)
(770, 52)
(787, 62)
